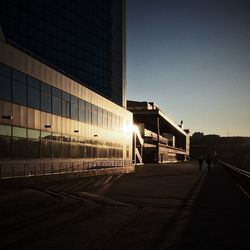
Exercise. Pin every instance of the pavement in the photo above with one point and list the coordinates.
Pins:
(159, 206)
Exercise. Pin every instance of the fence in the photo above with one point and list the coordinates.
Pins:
(240, 175)
(15, 169)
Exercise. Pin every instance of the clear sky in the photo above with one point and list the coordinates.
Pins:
(192, 58)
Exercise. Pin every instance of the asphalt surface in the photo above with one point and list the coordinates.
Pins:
(169, 206)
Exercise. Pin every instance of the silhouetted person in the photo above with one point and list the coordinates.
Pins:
(209, 161)
(200, 162)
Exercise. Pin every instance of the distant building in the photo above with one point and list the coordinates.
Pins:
(163, 140)
(62, 80)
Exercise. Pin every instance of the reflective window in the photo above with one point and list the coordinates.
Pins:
(46, 145)
(5, 70)
(19, 142)
(46, 135)
(66, 138)
(33, 134)
(46, 149)
(105, 118)
(109, 120)
(56, 101)
(5, 141)
(94, 115)
(56, 137)
(88, 152)
(82, 111)
(19, 147)
(45, 97)
(5, 146)
(66, 150)
(5, 130)
(33, 98)
(65, 104)
(56, 145)
(100, 118)
(74, 108)
(19, 93)
(74, 150)
(33, 144)
(18, 76)
(19, 132)
(5, 83)
(88, 112)
(81, 151)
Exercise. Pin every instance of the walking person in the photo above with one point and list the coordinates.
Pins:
(200, 162)
(209, 161)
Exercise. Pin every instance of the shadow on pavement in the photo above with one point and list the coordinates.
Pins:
(220, 218)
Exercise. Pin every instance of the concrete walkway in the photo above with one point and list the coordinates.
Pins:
(170, 206)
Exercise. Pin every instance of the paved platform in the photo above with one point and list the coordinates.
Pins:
(169, 206)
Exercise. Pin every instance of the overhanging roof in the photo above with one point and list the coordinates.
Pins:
(149, 118)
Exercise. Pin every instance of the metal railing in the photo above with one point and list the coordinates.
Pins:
(15, 169)
(241, 176)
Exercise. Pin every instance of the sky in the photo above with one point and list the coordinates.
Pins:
(192, 58)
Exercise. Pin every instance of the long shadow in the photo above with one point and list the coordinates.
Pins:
(160, 241)
(220, 218)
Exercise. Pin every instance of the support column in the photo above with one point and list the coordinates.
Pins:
(158, 139)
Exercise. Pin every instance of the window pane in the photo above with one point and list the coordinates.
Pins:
(5, 130)
(46, 102)
(33, 148)
(32, 82)
(18, 76)
(46, 97)
(56, 101)
(19, 93)
(33, 134)
(45, 88)
(100, 118)
(82, 111)
(5, 70)
(65, 138)
(19, 132)
(66, 150)
(88, 113)
(46, 135)
(5, 147)
(94, 115)
(19, 147)
(74, 108)
(57, 149)
(74, 150)
(82, 151)
(88, 152)
(46, 149)
(56, 92)
(65, 104)
(5, 92)
(33, 98)
(105, 119)
(56, 137)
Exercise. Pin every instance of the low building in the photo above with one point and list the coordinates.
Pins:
(163, 139)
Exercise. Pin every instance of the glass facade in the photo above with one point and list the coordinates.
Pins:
(23, 143)
(81, 38)
(28, 91)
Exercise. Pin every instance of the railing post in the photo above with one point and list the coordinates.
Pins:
(43, 168)
(13, 172)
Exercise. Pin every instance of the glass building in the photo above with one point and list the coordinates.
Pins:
(62, 88)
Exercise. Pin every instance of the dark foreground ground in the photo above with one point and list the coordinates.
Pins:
(170, 206)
